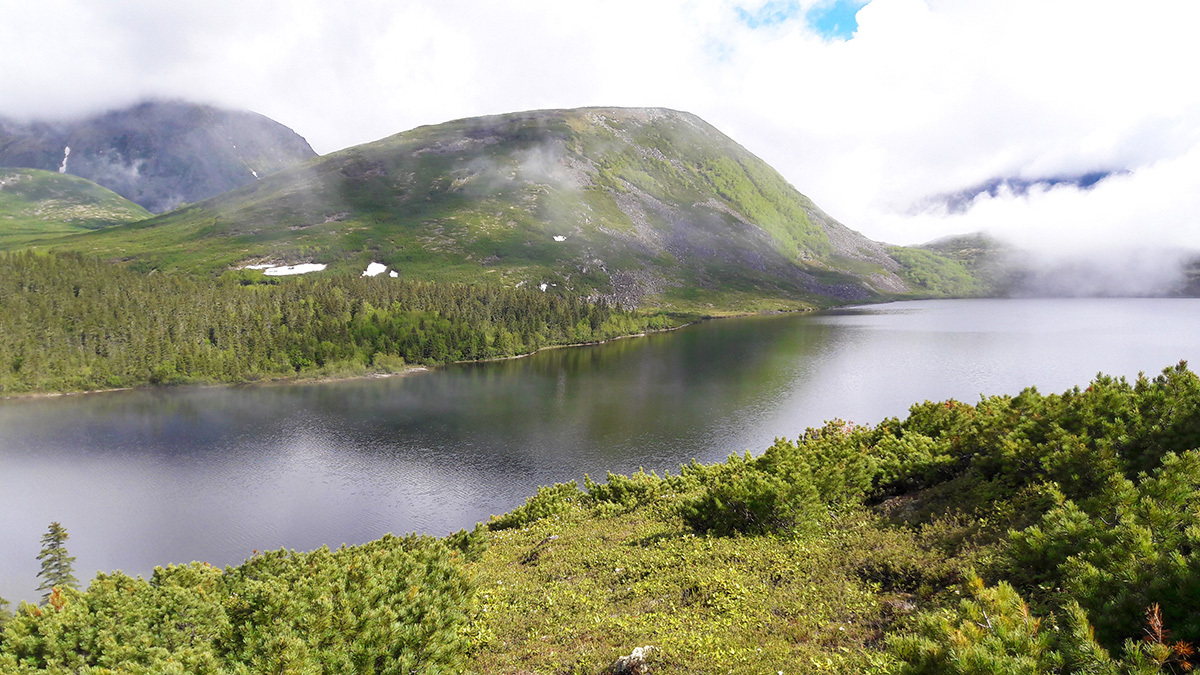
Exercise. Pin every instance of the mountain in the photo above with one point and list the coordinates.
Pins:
(159, 154)
(37, 207)
(641, 206)
(1003, 269)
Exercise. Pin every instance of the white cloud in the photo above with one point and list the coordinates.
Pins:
(929, 97)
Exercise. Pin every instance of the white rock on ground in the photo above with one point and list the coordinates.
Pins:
(633, 664)
(374, 269)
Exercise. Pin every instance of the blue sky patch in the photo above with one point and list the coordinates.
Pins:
(835, 21)
(772, 13)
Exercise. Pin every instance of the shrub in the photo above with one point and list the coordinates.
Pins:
(993, 632)
(626, 492)
(469, 543)
(1136, 547)
(755, 502)
(549, 501)
(835, 456)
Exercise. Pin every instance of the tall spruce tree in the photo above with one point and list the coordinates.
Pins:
(56, 564)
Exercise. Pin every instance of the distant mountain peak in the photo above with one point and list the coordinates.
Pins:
(159, 153)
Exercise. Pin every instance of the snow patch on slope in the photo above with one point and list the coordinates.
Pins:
(303, 268)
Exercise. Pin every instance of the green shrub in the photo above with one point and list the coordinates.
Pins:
(755, 502)
(835, 456)
(395, 605)
(911, 461)
(1137, 547)
(471, 544)
(549, 501)
(993, 632)
(626, 492)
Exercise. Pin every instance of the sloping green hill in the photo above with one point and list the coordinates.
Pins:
(38, 207)
(641, 206)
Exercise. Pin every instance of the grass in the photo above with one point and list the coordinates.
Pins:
(37, 208)
(573, 591)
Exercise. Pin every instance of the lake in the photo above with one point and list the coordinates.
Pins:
(141, 478)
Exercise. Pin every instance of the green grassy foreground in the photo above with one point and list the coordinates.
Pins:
(1027, 534)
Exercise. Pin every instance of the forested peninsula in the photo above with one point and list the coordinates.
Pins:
(1022, 534)
(74, 323)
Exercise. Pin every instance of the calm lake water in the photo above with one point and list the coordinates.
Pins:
(143, 478)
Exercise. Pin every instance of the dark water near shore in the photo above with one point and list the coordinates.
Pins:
(142, 478)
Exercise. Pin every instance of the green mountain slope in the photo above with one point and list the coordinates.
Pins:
(641, 206)
(38, 207)
(992, 264)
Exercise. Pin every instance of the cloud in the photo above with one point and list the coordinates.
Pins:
(1156, 205)
(923, 98)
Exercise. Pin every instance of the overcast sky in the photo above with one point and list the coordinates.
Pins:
(877, 110)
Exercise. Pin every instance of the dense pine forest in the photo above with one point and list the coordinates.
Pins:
(72, 323)
(1023, 534)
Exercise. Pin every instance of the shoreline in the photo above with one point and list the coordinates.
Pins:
(326, 379)
(410, 370)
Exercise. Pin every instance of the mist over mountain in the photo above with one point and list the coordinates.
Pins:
(960, 201)
(159, 154)
(1007, 269)
(642, 206)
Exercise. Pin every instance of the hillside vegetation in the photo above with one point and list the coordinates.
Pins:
(38, 207)
(1022, 534)
(644, 207)
(73, 323)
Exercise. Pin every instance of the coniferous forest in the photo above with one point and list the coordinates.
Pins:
(1023, 534)
(72, 323)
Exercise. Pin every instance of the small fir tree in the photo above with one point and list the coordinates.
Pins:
(56, 564)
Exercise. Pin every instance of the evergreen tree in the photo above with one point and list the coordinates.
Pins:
(56, 564)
